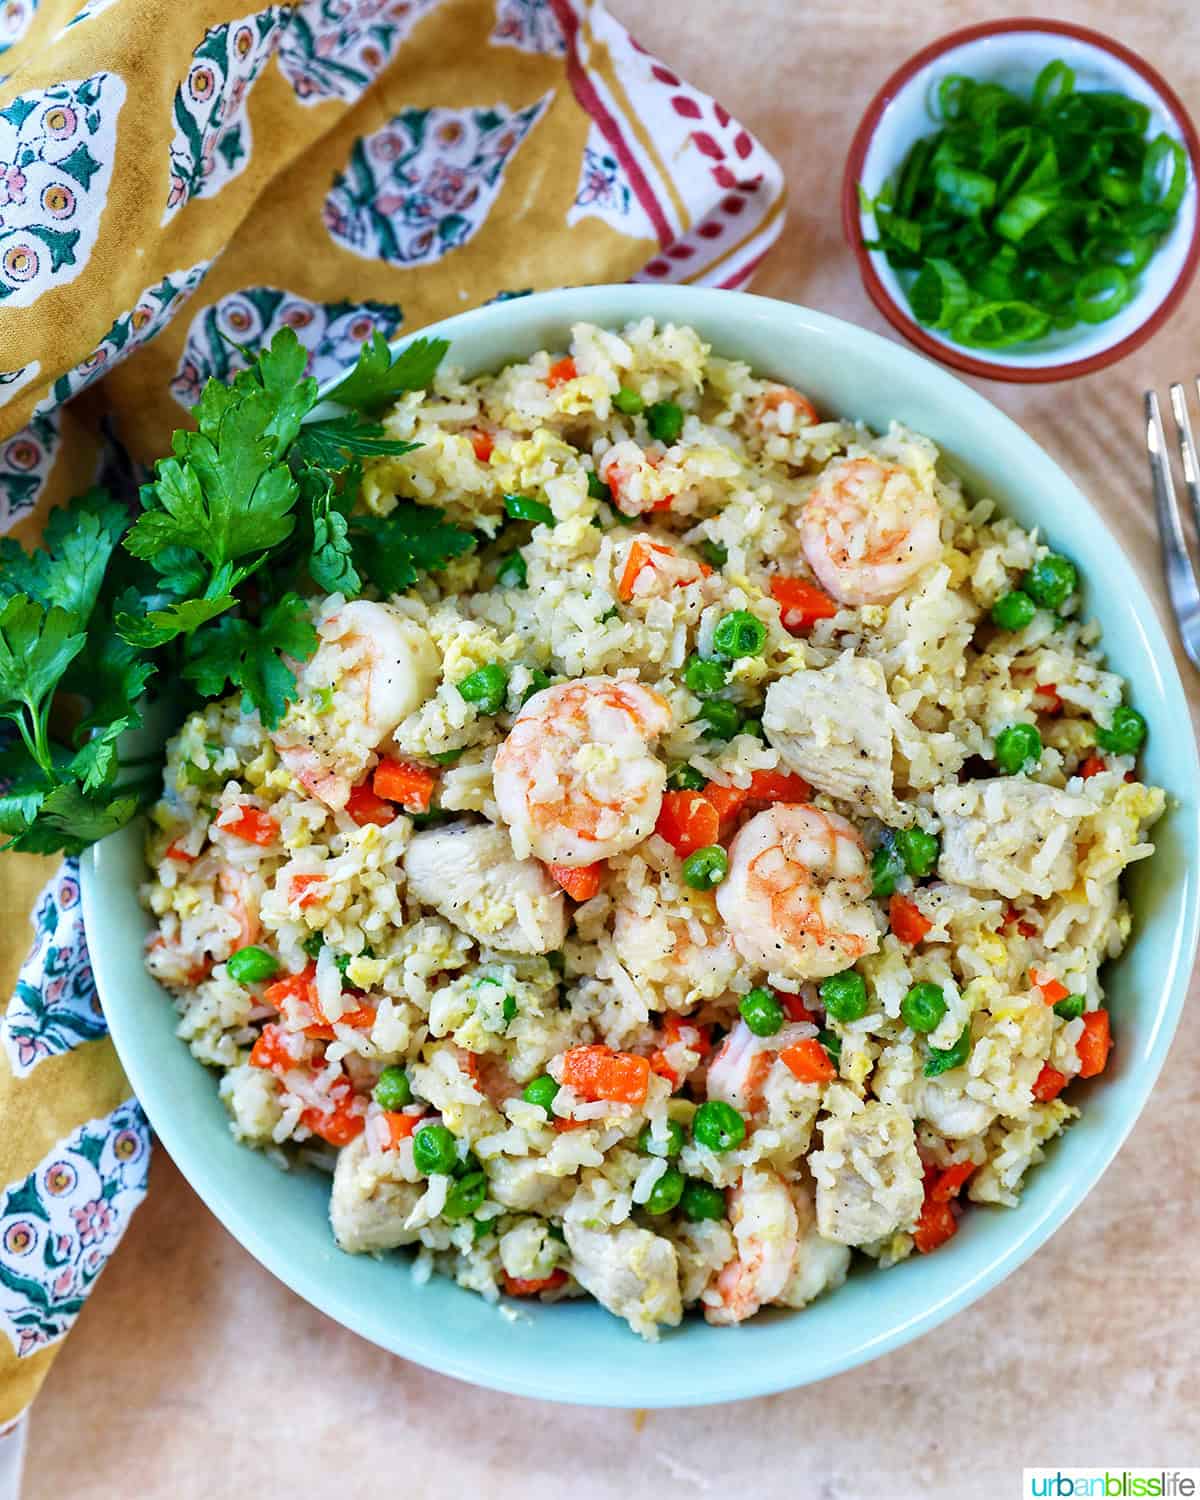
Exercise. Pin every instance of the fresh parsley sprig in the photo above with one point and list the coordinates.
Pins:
(203, 588)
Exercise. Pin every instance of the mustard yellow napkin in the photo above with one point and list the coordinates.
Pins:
(178, 181)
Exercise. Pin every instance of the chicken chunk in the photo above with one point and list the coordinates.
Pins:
(468, 872)
(819, 1265)
(370, 1203)
(869, 1176)
(833, 726)
(1009, 835)
(632, 1272)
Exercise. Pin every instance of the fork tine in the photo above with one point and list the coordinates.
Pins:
(1187, 447)
(1177, 565)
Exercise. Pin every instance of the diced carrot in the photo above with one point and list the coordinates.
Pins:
(1049, 691)
(1026, 929)
(565, 1122)
(728, 800)
(597, 1072)
(300, 986)
(778, 786)
(251, 824)
(947, 1183)
(402, 781)
(1053, 990)
(581, 882)
(306, 889)
(365, 807)
(1092, 766)
(801, 604)
(469, 1064)
(907, 921)
(776, 396)
(639, 555)
(562, 371)
(1049, 1083)
(399, 1126)
(177, 852)
(482, 443)
(519, 1286)
(341, 1122)
(660, 1065)
(688, 821)
(362, 1018)
(665, 504)
(1095, 1044)
(680, 1029)
(936, 1225)
(809, 1061)
(794, 1007)
(270, 1050)
(665, 565)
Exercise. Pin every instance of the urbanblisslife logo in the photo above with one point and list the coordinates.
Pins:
(1112, 1484)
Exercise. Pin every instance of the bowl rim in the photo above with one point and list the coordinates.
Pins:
(742, 1378)
(962, 359)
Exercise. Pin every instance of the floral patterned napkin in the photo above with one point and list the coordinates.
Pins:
(177, 182)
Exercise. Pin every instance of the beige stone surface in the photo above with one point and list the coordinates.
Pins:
(193, 1373)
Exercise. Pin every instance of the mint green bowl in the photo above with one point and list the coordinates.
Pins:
(576, 1351)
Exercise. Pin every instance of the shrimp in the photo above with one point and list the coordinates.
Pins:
(787, 408)
(379, 666)
(577, 780)
(795, 898)
(868, 530)
(241, 907)
(631, 473)
(738, 1071)
(766, 1233)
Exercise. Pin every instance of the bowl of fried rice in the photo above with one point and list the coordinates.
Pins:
(749, 879)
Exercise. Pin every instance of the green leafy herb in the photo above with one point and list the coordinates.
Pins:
(378, 378)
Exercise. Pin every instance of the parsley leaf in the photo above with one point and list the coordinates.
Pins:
(331, 562)
(36, 647)
(69, 820)
(158, 626)
(68, 568)
(377, 379)
(393, 550)
(251, 657)
(328, 445)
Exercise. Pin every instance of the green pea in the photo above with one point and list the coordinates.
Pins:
(487, 687)
(844, 996)
(524, 508)
(942, 1059)
(597, 488)
(705, 868)
(434, 1150)
(887, 866)
(393, 1091)
(628, 402)
(718, 1126)
(1071, 1008)
(251, 965)
(538, 680)
(685, 778)
(665, 421)
(721, 717)
(700, 1201)
(1125, 734)
(923, 1007)
(1051, 581)
(313, 944)
(714, 553)
(465, 1196)
(512, 572)
(541, 1091)
(666, 1192)
(740, 634)
(322, 701)
(919, 850)
(448, 757)
(704, 677)
(832, 1043)
(761, 1012)
(1013, 611)
(654, 1145)
(1018, 748)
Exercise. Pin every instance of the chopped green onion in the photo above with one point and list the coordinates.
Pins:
(1101, 294)
(523, 508)
(940, 294)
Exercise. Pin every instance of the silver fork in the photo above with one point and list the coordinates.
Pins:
(1182, 587)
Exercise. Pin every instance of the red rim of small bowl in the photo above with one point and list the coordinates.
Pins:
(852, 223)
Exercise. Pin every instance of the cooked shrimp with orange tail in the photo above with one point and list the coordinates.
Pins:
(797, 895)
(577, 779)
(765, 1231)
(868, 530)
